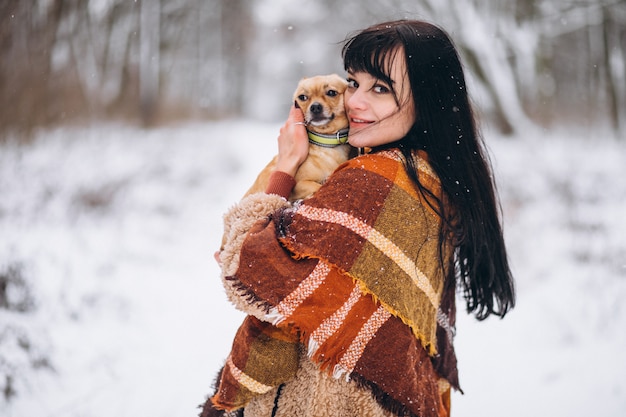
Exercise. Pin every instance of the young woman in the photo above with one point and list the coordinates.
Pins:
(350, 294)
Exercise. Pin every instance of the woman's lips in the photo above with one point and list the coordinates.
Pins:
(356, 122)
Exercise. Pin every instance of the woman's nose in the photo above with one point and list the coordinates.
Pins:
(355, 100)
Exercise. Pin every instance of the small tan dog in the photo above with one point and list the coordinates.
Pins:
(321, 101)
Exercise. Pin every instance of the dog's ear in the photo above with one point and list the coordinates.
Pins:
(340, 82)
(339, 78)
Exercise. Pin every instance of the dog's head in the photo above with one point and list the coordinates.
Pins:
(321, 101)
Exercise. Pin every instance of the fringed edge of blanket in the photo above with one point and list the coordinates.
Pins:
(210, 409)
(250, 296)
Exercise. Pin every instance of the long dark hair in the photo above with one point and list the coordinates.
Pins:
(446, 129)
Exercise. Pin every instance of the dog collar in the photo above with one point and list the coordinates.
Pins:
(329, 141)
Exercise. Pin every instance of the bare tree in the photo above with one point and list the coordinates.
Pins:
(27, 37)
(149, 59)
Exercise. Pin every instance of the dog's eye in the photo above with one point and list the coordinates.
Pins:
(331, 93)
(303, 97)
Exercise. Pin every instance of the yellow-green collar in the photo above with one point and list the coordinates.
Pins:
(329, 141)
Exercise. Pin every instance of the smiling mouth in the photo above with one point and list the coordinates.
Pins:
(356, 121)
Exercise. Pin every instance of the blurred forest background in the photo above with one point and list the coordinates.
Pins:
(546, 62)
(110, 194)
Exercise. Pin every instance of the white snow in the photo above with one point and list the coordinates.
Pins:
(114, 228)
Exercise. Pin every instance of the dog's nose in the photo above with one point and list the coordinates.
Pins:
(316, 108)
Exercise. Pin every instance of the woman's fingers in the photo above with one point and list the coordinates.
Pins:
(293, 142)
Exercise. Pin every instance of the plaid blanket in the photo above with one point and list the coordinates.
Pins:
(355, 277)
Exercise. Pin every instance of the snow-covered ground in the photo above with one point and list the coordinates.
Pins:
(114, 305)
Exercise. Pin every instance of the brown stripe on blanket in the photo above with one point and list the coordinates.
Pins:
(418, 391)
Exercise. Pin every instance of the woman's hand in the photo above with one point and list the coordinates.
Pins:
(293, 143)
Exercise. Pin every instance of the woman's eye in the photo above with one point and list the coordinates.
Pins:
(352, 83)
(332, 93)
(381, 89)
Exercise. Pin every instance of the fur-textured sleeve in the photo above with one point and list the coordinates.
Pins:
(238, 221)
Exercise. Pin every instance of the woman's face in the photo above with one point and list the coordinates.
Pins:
(375, 116)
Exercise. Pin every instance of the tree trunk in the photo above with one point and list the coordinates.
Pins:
(610, 82)
(149, 64)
